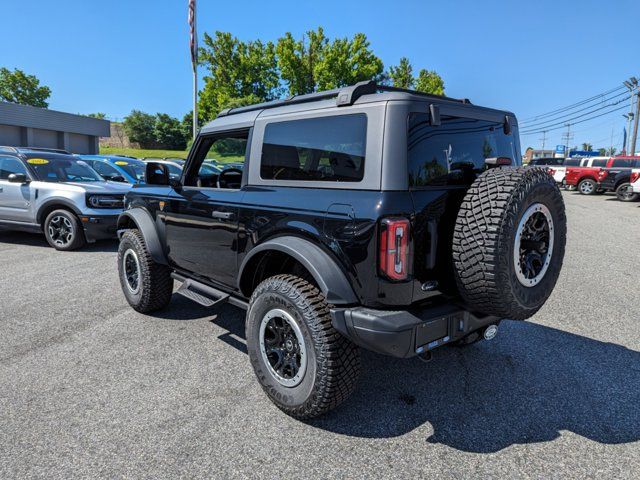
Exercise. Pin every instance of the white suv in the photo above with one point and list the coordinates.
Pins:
(635, 180)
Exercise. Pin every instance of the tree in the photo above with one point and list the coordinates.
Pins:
(99, 115)
(429, 81)
(139, 127)
(236, 70)
(168, 132)
(315, 63)
(587, 147)
(18, 87)
(402, 75)
(602, 152)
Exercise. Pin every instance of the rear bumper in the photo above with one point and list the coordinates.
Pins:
(99, 227)
(406, 333)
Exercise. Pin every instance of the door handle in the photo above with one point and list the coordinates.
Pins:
(222, 215)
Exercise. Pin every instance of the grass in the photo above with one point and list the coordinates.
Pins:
(143, 153)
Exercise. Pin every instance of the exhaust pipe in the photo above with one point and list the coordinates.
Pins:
(490, 332)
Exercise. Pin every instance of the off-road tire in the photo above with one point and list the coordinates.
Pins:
(592, 191)
(333, 362)
(78, 240)
(621, 190)
(484, 241)
(155, 282)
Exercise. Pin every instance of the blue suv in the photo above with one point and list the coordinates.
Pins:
(117, 168)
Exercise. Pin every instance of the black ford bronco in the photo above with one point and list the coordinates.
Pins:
(366, 216)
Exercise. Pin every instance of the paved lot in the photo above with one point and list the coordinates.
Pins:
(90, 388)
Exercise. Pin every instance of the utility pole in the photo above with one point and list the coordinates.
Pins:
(544, 140)
(634, 137)
(567, 137)
(631, 84)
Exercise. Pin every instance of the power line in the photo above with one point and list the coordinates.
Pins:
(574, 123)
(569, 107)
(569, 120)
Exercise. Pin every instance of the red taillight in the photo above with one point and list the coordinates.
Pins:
(602, 174)
(635, 176)
(394, 248)
(551, 171)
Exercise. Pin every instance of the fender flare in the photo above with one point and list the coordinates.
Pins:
(147, 227)
(325, 271)
(63, 202)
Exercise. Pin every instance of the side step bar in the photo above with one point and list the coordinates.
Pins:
(204, 294)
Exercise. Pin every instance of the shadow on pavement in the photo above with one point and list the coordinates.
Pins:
(38, 240)
(528, 385)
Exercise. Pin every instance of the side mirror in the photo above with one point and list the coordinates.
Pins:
(156, 174)
(18, 178)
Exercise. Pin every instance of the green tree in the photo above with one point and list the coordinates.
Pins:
(99, 115)
(18, 87)
(236, 69)
(316, 63)
(587, 147)
(168, 132)
(429, 81)
(402, 75)
(139, 127)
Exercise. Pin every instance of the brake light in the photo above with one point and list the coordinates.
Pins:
(602, 174)
(394, 248)
(635, 176)
(551, 171)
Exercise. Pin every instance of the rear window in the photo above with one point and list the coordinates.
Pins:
(624, 163)
(328, 149)
(453, 152)
(571, 162)
(599, 163)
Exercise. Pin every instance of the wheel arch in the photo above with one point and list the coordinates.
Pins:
(140, 219)
(324, 269)
(55, 204)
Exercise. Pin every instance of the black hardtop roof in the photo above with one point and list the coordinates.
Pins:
(344, 96)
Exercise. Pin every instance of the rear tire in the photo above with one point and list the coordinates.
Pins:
(63, 231)
(303, 364)
(588, 187)
(146, 285)
(625, 193)
(509, 241)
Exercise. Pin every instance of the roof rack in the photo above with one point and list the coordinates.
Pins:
(8, 149)
(49, 150)
(344, 96)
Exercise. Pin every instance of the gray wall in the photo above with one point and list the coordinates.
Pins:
(26, 126)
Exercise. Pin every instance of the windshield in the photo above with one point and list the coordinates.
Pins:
(174, 170)
(63, 170)
(133, 169)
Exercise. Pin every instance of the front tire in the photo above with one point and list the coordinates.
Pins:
(303, 364)
(588, 187)
(146, 285)
(63, 231)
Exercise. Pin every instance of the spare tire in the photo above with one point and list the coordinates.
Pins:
(509, 242)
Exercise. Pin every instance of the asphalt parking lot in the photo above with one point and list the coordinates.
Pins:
(90, 388)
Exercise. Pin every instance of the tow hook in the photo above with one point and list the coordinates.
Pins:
(426, 356)
(490, 332)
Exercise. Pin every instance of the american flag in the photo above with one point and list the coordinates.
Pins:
(193, 38)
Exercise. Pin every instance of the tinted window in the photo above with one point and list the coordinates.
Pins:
(329, 149)
(570, 162)
(9, 165)
(60, 169)
(599, 163)
(453, 152)
(622, 163)
(104, 169)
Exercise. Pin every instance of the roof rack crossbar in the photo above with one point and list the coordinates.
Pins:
(344, 96)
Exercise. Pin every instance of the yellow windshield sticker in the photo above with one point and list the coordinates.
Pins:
(37, 161)
(121, 163)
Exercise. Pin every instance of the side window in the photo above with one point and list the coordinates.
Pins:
(453, 152)
(9, 165)
(328, 149)
(599, 163)
(622, 163)
(222, 154)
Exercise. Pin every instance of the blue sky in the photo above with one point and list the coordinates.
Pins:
(530, 57)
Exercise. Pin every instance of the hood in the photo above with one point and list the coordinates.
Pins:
(89, 187)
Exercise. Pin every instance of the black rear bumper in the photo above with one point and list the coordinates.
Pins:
(407, 333)
(99, 227)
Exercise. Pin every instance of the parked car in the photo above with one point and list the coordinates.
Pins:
(174, 167)
(59, 195)
(586, 178)
(366, 216)
(618, 178)
(117, 168)
(546, 161)
(635, 180)
(559, 172)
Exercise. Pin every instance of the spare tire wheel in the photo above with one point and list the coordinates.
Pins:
(509, 242)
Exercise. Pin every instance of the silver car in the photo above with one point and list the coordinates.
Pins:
(57, 194)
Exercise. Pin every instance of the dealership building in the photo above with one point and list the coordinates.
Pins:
(26, 126)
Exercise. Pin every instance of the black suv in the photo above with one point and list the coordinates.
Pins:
(366, 216)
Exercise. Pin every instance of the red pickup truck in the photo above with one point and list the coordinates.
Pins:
(586, 178)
